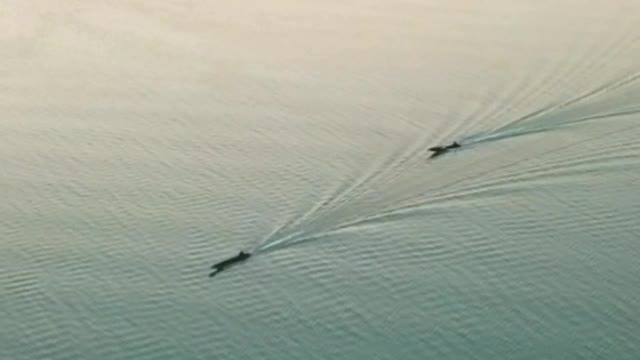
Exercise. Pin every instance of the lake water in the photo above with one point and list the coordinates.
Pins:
(142, 142)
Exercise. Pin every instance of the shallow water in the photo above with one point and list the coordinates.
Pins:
(140, 143)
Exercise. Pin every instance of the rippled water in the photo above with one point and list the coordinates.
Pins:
(140, 143)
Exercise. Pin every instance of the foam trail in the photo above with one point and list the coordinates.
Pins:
(610, 115)
(505, 135)
(265, 246)
(487, 137)
(609, 86)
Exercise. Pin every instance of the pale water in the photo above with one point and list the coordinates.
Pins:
(142, 141)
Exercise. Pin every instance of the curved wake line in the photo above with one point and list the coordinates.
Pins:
(517, 128)
(479, 139)
(614, 48)
(612, 85)
(381, 171)
(411, 209)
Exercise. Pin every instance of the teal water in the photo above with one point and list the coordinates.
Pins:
(142, 142)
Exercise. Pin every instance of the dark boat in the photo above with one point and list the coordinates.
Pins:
(439, 150)
(242, 256)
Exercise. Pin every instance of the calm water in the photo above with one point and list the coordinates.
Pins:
(140, 143)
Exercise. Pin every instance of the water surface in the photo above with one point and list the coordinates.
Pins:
(140, 143)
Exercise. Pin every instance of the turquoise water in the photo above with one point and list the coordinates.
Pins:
(141, 143)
